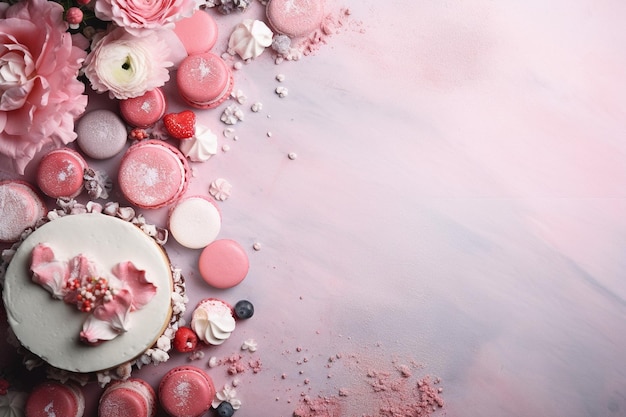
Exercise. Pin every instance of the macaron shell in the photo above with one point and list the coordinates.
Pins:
(20, 208)
(197, 33)
(204, 80)
(295, 18)
(186, 391)
(153, 174)
(195, 222)
(55, 399)
(223, 264)
(60, 173)
(144, 111)
(101, 134)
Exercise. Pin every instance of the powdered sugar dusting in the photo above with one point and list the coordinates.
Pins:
(181, 392)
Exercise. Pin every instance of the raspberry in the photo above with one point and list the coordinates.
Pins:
(185, 340)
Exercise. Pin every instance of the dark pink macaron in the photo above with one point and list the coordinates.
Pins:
(20, 209)
(144, 111)
(153, 174)
(55, 399)
(186, 391)
(60, 173)
(131, 398)
(204, 80)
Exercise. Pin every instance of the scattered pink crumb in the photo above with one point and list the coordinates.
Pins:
(318, 407)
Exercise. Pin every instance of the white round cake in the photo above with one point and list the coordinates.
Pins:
(51, 328)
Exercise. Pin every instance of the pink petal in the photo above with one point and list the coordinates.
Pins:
(49, 272)
(95, 331)
(115, 312)
(141, 289)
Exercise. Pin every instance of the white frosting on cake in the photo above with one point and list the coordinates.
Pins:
(50, 329)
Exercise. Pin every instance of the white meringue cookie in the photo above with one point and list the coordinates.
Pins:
(201, 146)
(249, 39)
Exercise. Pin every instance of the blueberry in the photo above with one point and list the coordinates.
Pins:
(244, 309)
(225, 409)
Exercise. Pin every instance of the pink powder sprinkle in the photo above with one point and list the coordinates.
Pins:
(318, 407)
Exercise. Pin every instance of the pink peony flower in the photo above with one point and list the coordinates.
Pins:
(137, 15)
(126, 65)
(40, 97)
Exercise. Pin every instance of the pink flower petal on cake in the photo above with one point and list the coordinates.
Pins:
(116, 311)
(96, 331)
(49, 272)
(141, 289)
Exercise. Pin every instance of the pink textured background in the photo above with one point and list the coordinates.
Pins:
(457, 204)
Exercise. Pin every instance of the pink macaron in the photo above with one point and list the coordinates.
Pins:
(186, 391)
(60, 173)
(55, 399)
(295, 18)
(223, 263)
(153, 174)
(204, 80)
(131, 398)
(101, 134)
(197, 33)
(20, 209)
(144, 111)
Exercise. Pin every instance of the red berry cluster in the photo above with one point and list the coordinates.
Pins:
(90, 292)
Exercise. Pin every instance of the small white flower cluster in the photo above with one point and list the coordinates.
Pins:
(229, 394)
(232, 115)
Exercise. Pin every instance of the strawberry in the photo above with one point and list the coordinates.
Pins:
(185, 340)
(180, 125)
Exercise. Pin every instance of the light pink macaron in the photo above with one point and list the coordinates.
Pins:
(101, 134)
(60, 173)
(55, 399)
(295, 18)
(223, 263)
(131, 398)
(153, 174)
(197, 33)
(20, 209)
(186, 391)
(204, 80)
(144, 111)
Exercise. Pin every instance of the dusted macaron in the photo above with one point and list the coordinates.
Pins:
(55, 399)
(101, 134)
(223, 263)
(153, 174)
(195, 222)
(20, 208)
(186, 391)
(60, 173)
(204, 80)
(144, 111)
(295, 18)
(130, 398)
(197, 33)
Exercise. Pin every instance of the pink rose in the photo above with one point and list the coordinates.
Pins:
(40, 97)
(137, 15)
(126, 65)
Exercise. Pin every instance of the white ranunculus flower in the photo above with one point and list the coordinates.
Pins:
(127, 66)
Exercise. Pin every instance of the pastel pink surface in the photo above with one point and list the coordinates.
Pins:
(60, 173)
(295, 18)
(204, 80)
(186, 391)
(20, 208)
(54, 399)
(145, 110)
(101, 134)
(153, 174)
(128, 399)
(197, 33)
(195, 222)
(224, 263)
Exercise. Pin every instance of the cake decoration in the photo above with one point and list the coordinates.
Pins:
(201, 146)
(220, 189)
(180, 125)
(213, 321)
(249, 39)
